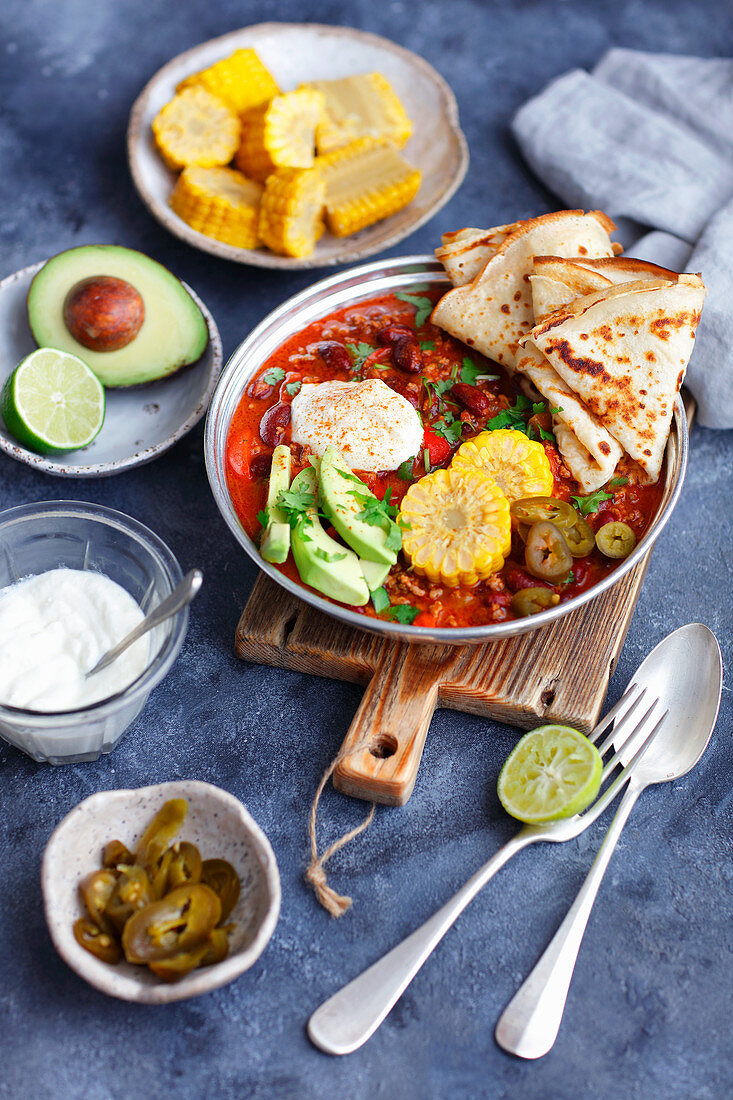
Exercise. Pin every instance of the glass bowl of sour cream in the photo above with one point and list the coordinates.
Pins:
(74, 579)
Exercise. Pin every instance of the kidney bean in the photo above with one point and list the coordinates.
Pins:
(260, 390)
(273, 424)
(334, 355)
(517, 579)
(606, 515)
(406, 352)
(260, 465)
(471, 397)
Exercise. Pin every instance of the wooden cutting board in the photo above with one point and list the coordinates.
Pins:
(557, 674)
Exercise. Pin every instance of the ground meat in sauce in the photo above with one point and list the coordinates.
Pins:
(355, 326)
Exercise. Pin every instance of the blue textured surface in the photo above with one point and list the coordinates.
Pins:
(650, 1007)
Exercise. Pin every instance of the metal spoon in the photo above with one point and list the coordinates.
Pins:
(181, 595)
(685, 671)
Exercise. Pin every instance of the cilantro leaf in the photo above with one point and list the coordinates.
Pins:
(394, 538)
(423, 306)
(450, 429)
(427, 345)
(538, 407)
(273, 376)
(293, 387)
(359, 354)
(547, 435)
(294, 503)
(348, 475)
(406, 470)
(513, 417)
(380, 599)
(404, 613)
(375, 512)
(263, 517)
(555, 410)
(325, 556)
(587, 505)
(472, 374)
(570, 579)
(616, 481)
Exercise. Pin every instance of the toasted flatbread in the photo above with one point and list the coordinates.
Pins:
(464, 253)
(588, 450)
(494, 311)
(624, 351)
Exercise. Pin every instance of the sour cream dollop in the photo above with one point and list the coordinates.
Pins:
(56, 626)
(373, 427)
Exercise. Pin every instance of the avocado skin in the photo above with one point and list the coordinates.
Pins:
(341, 507)
(173, 334)
(342, 580)
(276, 539)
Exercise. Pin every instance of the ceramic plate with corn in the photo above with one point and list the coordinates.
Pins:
(325, 156)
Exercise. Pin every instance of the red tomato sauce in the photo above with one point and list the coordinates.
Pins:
(345, 346)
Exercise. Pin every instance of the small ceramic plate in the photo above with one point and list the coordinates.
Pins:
(218, 824)
(141, 422)
(297, 52)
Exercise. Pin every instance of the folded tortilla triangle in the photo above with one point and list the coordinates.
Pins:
(588, 450)
(556, 281)
(624, 351)
(466, 251)
(494, 311)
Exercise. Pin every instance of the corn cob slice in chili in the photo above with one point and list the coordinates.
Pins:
(456, 527)
(220, 203)
(366, 181)
(291, 213)
(519, 465)
(196, 127)
(241, 80)
(280, 134)
(359, 106)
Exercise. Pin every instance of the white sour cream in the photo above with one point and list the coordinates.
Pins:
(56, 626)
(373, 427)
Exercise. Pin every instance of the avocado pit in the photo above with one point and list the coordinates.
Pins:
(104, 313)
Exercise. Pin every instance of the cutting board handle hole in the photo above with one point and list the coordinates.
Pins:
(383, 746)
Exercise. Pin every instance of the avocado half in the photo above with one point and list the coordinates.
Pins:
(173, 333)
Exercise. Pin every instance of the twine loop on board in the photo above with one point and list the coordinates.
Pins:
(315, 875)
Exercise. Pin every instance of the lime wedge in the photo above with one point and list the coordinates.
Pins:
(553, 772)
(53, 402)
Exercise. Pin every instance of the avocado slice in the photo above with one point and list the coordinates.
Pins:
(322, 562)
(375, 573)
(276, 539)
(173, 332)
(338, 486)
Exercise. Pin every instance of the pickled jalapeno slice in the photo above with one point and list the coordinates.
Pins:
(179, 921)
(161, 831)
(546, 553)
(580, 538)
(615, 540)
(96, 941)
(530, 601)
(224, 881)
(550, 509)
(185, 865)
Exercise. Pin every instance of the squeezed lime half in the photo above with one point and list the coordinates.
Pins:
(53, 402)
(553, 772)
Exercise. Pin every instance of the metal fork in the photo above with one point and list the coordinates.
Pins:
(347, 1019)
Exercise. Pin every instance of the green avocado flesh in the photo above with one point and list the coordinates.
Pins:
(276, 540)
(173, 333)
(322, 562)
(338, 486)
(375, 573)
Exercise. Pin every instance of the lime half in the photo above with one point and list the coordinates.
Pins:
(553, 772)
(53, 402)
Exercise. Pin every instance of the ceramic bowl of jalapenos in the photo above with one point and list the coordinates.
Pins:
(161, 893)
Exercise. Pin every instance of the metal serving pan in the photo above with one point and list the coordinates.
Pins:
(349, 287)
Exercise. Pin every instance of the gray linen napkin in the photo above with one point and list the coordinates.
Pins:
(649, 139)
